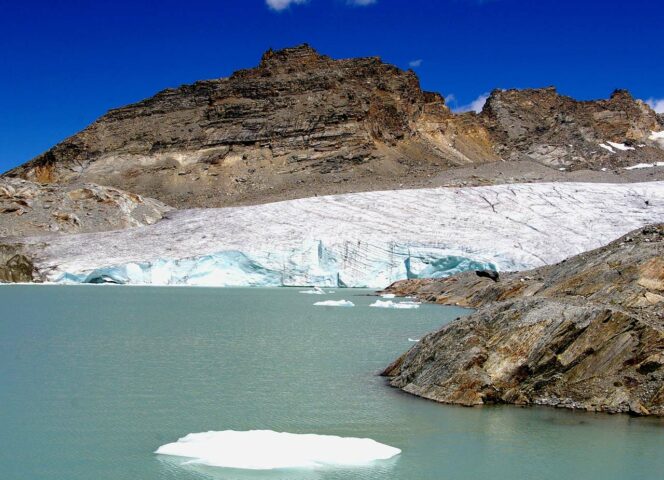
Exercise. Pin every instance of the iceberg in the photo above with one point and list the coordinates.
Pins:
(368, 239)
(335, 303)
(391, 304)
(314, 291)
(269, 450)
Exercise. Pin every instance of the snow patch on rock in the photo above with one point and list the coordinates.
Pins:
(645, 165)
(607, 147)
(620, 146)
(657, 135)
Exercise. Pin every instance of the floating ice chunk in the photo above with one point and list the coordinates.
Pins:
(268, 450)
(413, 339)
(314, 291)
(620, 146)
(388, 295)
(391, 304)
(335, 303)
(657, 135)
(606, 147)
(645, 165)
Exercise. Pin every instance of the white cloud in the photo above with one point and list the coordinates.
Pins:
(415, 63)
(657, 104)
(474, 106)
(279, 5)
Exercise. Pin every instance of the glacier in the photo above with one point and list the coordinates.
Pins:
(367, 239)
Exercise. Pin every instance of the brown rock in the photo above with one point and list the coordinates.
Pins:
(302, 124)
(572, 335)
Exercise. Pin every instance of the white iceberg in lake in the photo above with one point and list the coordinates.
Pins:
(268, 450)
(391, 304)
(388, 295)
(413, 339)
(314, 291)
(335, 303)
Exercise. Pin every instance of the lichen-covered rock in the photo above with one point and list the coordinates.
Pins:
(586, 333)
(28, 208)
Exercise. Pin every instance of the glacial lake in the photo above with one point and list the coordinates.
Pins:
(93, 379)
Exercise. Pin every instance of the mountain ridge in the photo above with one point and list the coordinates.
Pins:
(302, 123)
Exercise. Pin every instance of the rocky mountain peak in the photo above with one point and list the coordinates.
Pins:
(300, 54)
(302, 123)
(621, 95)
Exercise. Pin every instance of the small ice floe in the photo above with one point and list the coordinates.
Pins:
(413, 339)
(391, 304)
(388, 295)
(620, 146)
(657, 135)
(314, 291)
(335, 303)
(269, 450)
(639, 166)
(603, 169)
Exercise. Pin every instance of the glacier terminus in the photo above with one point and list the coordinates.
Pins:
(365, 239)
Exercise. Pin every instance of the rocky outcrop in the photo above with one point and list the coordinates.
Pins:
(541, 125)
(302, 124)
(15, 266)
(28, 208)
(587, 333)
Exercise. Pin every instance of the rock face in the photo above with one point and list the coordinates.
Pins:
(15, 267)
(559, 131)
(586, 333)
(28, 208)
(302, 124)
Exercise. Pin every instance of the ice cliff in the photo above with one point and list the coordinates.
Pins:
(357, 240)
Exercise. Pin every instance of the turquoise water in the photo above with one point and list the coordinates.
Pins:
(94, 378)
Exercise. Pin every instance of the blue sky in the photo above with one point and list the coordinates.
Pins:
(65, 63)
